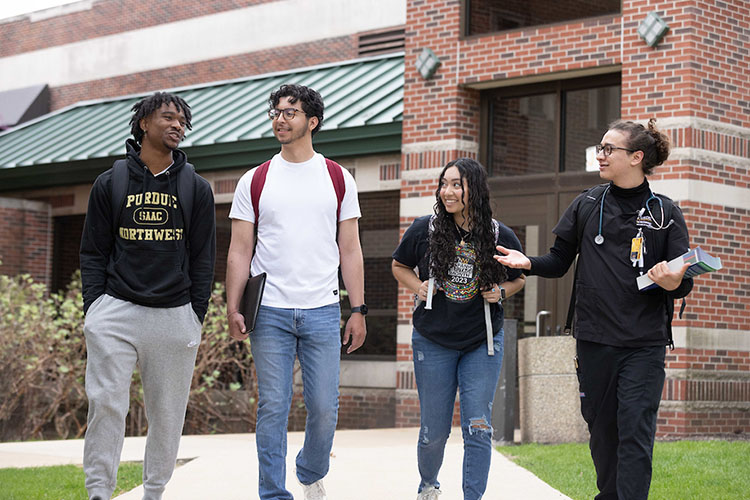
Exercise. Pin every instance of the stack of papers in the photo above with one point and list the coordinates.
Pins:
(700, 262)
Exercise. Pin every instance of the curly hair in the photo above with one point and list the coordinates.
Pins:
(146, 106)
(653, 143)
(476, 200)
(312, 103)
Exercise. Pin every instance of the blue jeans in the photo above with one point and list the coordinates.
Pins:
(314, 336)
(439, 371)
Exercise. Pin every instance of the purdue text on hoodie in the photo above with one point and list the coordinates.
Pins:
(146, 256)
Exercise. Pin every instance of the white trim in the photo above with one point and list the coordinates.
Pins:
(416, 207)
(421, 174)
(405, 366)
(370, 374)
(389, 185)
(705, 155)
(710, 338)
(438, 146)
(705, 374)
(21, 204)
(403, 334)
(672, 404)
(709, 193)
(238, 31)
(702, 124)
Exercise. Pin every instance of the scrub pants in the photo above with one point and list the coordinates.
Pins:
(620, 394)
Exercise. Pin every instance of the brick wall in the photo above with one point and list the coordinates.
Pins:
(358, 409)
(25, 239)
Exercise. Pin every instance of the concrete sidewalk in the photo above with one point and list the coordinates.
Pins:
(377, 464)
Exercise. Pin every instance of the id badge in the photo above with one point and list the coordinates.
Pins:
(636, 249)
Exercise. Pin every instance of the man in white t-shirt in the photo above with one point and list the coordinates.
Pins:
(299, 315)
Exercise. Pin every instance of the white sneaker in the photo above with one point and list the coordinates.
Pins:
(314, 491)
(429, 493)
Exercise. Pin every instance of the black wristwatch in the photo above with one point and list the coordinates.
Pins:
(360, 309)
(502, 294)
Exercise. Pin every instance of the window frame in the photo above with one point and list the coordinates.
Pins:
(558, 88)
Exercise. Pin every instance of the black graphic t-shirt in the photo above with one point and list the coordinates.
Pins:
(456, 320)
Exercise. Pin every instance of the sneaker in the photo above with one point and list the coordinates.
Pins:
(429, 493)
(314, 491)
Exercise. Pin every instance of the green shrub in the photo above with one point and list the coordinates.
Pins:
(42, 356)
(43, 363)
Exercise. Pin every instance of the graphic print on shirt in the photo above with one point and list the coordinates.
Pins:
(463, 282)
(151, 212)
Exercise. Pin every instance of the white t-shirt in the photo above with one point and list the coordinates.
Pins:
(296, 244)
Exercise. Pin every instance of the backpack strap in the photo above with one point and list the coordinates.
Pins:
(669, 302)
(259, 180)
(186, 194)
(337, 177)
(119, 189)
(256, 187)
(585, 210)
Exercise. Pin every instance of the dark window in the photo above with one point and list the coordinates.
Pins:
(379, 234)
(588, 112)
(523, 135)
(489, 16)
(548, 128)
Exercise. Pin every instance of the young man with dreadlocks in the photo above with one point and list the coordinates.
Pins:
(455, 246)
(147, 264)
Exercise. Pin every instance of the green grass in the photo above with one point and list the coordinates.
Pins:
(64, 482)
(696, 470)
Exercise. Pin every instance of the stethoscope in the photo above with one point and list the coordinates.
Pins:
(599, 239)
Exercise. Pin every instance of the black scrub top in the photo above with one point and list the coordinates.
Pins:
(609, 307)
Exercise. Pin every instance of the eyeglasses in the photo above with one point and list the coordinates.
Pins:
(609, 148)
(288, 113)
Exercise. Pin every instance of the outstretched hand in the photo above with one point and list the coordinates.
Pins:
(512, 258)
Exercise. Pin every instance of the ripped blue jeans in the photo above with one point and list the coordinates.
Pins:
(439, 371)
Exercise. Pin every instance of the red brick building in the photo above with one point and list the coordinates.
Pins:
(525, 87)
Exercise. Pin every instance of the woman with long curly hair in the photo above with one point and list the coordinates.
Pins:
(455, 247)
(620, 231)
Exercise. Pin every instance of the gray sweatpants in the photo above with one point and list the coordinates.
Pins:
(163, 343)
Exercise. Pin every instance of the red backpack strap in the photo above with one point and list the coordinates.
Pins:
(256, 187)
(337, 177)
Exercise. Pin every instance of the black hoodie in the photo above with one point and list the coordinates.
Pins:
(146, 257)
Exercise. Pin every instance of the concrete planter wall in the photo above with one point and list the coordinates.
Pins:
(548, 391)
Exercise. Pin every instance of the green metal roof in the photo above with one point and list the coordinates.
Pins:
(364, 108)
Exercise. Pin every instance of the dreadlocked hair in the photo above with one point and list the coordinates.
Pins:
(143, 109)
(478, 213)
(653, 143)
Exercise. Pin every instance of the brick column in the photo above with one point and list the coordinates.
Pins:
(441, 123)
(695, 83)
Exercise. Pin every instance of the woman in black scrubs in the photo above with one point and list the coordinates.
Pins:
(620, 230)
